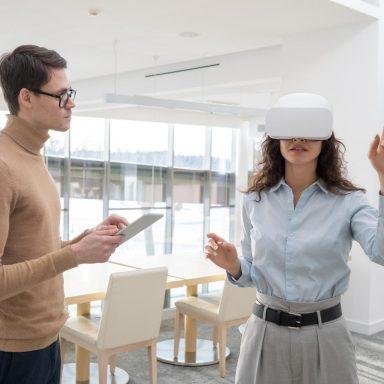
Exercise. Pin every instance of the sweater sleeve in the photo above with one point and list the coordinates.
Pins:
(16, 278)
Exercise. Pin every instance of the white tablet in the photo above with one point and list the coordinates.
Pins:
(139, 225)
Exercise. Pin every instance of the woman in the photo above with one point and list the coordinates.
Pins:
(300, 216)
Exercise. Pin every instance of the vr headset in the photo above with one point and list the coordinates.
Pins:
(300, 115)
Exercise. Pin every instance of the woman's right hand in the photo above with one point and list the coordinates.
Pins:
(222, 253)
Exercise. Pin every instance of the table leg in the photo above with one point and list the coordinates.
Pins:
(190, 330)
(82, 355)
(192, 352)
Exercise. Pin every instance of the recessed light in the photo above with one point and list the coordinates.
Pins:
(189, 34)
(94, 12)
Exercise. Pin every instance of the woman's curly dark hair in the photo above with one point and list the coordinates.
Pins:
(330, 167)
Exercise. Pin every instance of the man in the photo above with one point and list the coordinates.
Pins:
(32, 256)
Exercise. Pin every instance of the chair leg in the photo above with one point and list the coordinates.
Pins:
(222, 348)
(153, 362)
(112, 364)
(103, 367)
(62, 353)
(215, 336)
(177, 332)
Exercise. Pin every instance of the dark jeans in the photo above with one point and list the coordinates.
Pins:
(36, 367)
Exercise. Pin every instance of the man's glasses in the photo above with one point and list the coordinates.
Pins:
(63, 98)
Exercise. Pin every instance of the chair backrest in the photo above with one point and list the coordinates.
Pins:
(133, 307)
(236, 302)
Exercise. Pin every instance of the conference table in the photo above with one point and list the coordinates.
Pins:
(89, 282)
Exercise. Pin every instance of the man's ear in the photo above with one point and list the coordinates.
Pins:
(24, 98)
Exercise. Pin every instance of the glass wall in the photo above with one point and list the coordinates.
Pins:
(86, 173)
(3, 118)
(185, 172)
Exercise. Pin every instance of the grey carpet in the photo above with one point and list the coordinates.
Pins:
(370, 357)
(369, 353)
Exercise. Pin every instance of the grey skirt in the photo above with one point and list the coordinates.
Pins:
(314, 354)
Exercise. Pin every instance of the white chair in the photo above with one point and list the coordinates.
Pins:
(130, 319)
(231, 309)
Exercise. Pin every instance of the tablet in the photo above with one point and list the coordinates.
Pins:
(139, 225)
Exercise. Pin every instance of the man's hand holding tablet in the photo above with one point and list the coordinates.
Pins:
(138, 225)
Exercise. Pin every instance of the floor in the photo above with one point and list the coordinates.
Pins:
(369, 354)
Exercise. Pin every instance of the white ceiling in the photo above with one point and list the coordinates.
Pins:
(147, 28)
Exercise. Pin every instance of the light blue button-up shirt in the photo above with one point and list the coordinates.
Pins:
(300, 253)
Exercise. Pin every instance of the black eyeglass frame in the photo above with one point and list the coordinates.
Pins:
(71, 94)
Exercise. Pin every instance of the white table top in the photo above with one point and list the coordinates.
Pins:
(191, 267)
(89, 282)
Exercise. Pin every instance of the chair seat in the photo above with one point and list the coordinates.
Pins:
(80, 327)
(213, 298)
(204, 306)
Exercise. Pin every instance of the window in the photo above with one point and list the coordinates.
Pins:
(189, 147)
(86, 173)
(151, 241)
(3, 118)
(130, 168)
(188, 186)
(138, 142)
(132, 185)
(222, 155)
(188, 233)
(55, 145)
(87, 138)
(133, 167)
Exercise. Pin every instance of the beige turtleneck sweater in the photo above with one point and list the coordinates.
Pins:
(32, 258)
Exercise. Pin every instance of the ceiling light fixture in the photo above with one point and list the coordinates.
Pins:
(94, 12)
(189, 34)
(210, 108)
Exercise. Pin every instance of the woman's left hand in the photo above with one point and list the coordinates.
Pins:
(376, 154)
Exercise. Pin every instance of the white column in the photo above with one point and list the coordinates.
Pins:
(243, 166)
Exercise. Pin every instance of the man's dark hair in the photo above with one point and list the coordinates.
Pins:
(28, 66)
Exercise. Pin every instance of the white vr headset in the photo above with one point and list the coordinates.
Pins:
(300, 115)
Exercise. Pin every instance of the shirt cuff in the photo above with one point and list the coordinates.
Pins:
(243, 280)
(232, 279)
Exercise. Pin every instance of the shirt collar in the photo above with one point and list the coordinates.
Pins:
(25, 134)
(319, 182)
(278, 185)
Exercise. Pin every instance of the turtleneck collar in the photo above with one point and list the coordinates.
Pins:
(25, 134)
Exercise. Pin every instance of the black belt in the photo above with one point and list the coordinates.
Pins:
(296, 320)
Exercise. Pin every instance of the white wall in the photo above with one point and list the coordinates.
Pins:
(377, 275)
(343, 64)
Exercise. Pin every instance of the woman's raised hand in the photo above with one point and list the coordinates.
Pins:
(222, 253)
(376, 154)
